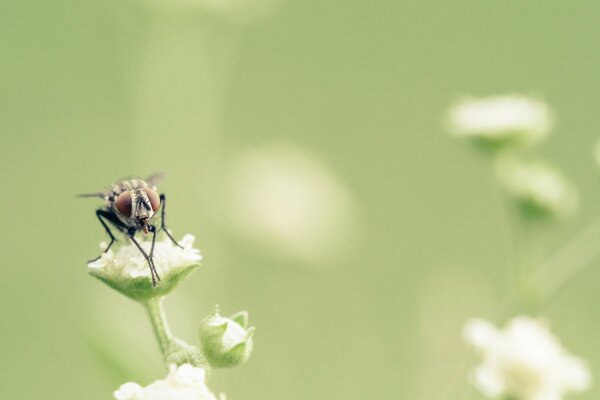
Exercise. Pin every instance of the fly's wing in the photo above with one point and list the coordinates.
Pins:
(101, 195)
(155, 179)
(152, 180)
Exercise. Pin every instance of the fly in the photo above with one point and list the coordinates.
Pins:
(130, 206)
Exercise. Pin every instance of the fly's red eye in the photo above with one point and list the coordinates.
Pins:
(153, 197)
(123, 204)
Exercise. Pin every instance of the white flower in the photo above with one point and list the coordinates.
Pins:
(128, 261)
(288, 199)
(127, 271)
(500, 119)
(539, 188)
(524, 361)
(182, 383)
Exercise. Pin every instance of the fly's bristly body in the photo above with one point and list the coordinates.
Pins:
(134, 202)
(130, 206)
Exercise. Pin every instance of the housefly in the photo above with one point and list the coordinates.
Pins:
(129, 207)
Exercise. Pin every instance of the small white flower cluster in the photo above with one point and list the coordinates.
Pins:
(540, 187)
(510, 122)
(182, 383)
(500, 119)
(524, 361)
(128, 262)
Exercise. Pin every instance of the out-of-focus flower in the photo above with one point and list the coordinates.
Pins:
(241, 11)
(597, 153)
(284, 197)
(127, 271)
(538, 189)
(182, 383)
(226, 342)
(501, 120)
(523, 361)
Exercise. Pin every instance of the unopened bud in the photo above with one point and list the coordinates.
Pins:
(226, 342)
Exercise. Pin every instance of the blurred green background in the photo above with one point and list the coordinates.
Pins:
(306, 152)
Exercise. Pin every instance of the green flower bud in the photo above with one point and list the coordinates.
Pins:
(226, 342)
(127, 271)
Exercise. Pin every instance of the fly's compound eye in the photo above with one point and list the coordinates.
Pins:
(153, 197)
(123, 204)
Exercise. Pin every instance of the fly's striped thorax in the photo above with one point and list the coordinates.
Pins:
(130, 184)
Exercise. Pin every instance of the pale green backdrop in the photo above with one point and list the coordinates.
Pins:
(369, 300)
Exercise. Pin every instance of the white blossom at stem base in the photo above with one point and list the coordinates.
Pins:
(523, 361)
(126, 269)
(182, 383)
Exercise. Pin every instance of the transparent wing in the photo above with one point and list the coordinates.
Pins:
(97, 194)
(155, 179)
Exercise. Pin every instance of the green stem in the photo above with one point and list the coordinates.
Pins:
(525, 292)
(572, 260)
(524, 265)
(156, 313)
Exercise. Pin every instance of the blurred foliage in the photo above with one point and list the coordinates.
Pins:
(94, 91)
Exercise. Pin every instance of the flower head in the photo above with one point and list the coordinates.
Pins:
(524, 361)
(538, 189)
(127, 270)
(182, 383)
(500, 120)
(285, 198)
(226, 342)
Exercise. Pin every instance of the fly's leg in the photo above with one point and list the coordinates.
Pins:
(152, 229)
(101, 214)
(163, 202)
(153, 272)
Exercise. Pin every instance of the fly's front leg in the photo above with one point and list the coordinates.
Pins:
(148, 258)
(101, 214)
(152, 229)
(163, 203)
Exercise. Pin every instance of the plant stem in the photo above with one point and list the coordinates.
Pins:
(156, 313)
(522, 269)
(524, 265)
(574, 258)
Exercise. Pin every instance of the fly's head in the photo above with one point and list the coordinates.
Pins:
(138, 206)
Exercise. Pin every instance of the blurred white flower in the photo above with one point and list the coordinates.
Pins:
(242, 11)
(500, 119)
(538, 188)
(182, 383)
(597, 153)
(284, 197)
(128, 261)
(523, 361)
